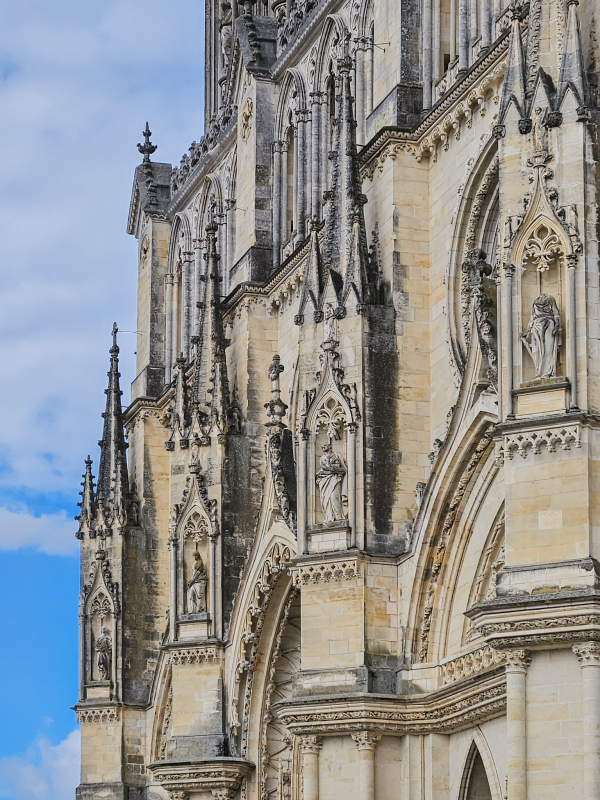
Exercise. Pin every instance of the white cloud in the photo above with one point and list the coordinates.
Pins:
(53, 534)
(44, 772)
(77, 83)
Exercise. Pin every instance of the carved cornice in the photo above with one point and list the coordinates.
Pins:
(193, 655)
(220, 774)
(325, 571)
(444, 120)
(470, 664)
(97, 714)
(440, 712)
(552, 438)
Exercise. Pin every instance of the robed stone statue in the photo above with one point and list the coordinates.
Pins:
(196, 588)
(541, 336)
(330, 480)
(103, 649)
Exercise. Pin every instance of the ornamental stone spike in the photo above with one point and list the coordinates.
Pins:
(113, 443)
(147, 149)
(276, 408)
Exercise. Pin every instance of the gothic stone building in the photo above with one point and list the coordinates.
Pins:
(353, 547)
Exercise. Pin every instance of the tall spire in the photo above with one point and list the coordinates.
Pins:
(112, 444)
(344, 208)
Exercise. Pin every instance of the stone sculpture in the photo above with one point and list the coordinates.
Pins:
(330, 479)
(196, 588)
(544, 329)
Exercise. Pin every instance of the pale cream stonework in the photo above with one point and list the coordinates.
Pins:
(348, 260)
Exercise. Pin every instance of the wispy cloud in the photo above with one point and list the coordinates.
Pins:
(77, 83)
(44, 772)
(53, 534)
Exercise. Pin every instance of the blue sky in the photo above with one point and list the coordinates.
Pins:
(77, 83)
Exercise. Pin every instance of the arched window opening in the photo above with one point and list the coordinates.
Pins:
(475, 784)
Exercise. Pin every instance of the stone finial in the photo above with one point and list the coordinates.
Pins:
(147, 148)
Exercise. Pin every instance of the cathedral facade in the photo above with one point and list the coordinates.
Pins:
(345, 540)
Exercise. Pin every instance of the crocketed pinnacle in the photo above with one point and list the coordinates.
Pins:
(345, 246)
(88, 501)
(113, 466)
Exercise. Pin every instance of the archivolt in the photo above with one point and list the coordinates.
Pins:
(476, 225)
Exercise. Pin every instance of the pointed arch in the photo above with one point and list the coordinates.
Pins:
(476, 215)
(331, 46)
(479, 779)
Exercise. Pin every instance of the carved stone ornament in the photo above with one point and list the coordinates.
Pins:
(281, 457)
(399, 716)
(366, 740)
(523, 442)
(98, 714)
(324, 572)
(193, 655)
(517, 660)
(311, 744)
(588, 654)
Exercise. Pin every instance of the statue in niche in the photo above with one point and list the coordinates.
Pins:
(196, 588)
(330, 324)
(330, 480)
(540, 131)
(544, 329)
(103, 649)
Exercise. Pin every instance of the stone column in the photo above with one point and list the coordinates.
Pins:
(572, 289)
(509, 271)
(212, 577)
(302, 492)
(485, 24)
(436, 47)
(517, 662)
(452, 31)
(366, 743)
(588, 654)
(230, 222)
(317, 166)
(463, 35)
(284, 193)
(370, 55)
(426, 53)
(172, 545)
(175, 321)
(473, 28)
(359, 92)
(277, 194)
(301, 172)
(352, 484)
(169, 279)
(186, 285)
(310, 746)
(196, 293)
(499, 344)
